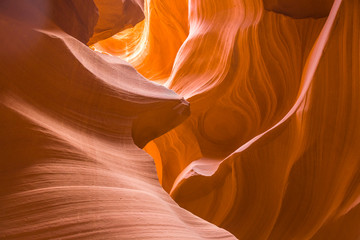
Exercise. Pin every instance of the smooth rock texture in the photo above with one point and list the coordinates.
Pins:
(271, 149)
(114, 16)
(300, 9)
(247, 112)
(71, 123)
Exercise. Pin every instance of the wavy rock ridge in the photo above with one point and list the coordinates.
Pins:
(271, 148)
(70, 119)
(268, 150)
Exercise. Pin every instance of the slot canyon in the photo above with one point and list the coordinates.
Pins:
(180, 119)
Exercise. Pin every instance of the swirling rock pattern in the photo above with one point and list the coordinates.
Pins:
(71, 123)
(271, 149)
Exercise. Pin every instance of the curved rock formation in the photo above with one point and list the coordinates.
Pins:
(300, 9)
(114, 16)
(271, 148)
(152, 55)
(70, 119)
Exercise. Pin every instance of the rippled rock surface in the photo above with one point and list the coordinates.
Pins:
(249, 108)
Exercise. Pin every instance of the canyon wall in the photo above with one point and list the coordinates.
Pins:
(71, 123)
(271, 148)
(189, 119)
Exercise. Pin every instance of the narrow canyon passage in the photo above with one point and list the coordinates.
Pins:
(189, 119)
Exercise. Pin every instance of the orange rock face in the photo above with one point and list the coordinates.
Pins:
(271, 148)
(70, 119)
(249, 109)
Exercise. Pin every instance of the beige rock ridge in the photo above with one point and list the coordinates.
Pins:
(70, 119)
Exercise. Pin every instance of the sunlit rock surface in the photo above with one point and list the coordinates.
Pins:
(71, 121)
(249, 108)
(271, 149)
